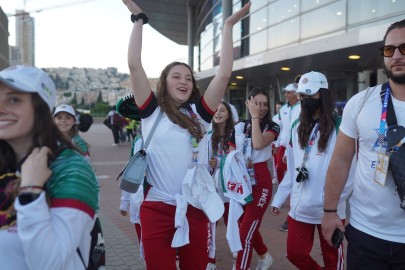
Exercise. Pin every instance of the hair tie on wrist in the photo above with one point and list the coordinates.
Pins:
(30, 188)
(330, 210)
(138, 16)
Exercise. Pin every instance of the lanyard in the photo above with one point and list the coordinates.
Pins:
(389, 119)
(220, 151)
(310, 144)
(383, 119)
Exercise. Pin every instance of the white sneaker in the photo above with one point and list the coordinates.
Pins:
(265, 263)
(211, 266)
(234, 255)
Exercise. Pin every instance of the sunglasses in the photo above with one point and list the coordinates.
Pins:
(389, 50)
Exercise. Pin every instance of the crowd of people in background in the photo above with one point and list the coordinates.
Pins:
(205, 163)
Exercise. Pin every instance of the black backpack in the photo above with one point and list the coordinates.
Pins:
(85, 122)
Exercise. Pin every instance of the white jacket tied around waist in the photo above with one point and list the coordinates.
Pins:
(236, 185)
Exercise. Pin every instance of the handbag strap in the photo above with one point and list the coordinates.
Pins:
(144, 146)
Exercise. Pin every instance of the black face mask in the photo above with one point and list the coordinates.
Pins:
(310, 105)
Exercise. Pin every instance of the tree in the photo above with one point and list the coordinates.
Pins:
(74, 99)
(100, 97)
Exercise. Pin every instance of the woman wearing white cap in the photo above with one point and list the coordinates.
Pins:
(168, 222)
(65, 119)
(49, 193)
(260, 132)
(313, 137)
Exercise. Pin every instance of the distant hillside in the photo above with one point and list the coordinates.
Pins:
(86, 79)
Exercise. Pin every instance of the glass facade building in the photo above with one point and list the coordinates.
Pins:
(300, 36)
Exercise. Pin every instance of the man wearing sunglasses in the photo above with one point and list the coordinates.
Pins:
(376, 232)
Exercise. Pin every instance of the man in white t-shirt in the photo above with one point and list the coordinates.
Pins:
(376, 232)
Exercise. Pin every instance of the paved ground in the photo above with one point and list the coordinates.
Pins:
(120, 237)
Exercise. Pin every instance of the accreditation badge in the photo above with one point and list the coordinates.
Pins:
(381, 168)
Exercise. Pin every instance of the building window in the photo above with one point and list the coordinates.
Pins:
(258, 21)
(364, 10)
(324, 20)
(280, 11)
(290, 30)
(258, 42)
(307, 5)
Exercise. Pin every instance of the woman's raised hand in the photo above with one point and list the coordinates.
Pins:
(133, 8)
(235, 17)
(253, 107)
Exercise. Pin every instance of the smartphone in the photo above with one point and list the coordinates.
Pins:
(337, 238)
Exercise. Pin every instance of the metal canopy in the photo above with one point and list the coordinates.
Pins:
(168, 17)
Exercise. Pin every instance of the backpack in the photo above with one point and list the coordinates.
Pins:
(116, 119)
(86, 120)
(97, 247)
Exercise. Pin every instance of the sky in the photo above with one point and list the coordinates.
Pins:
(91, 34)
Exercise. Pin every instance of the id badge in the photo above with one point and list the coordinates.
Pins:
(381, 168)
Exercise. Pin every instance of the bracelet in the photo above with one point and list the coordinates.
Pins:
(330, 210)
(138, 16)
(254, 117)
(30, 188)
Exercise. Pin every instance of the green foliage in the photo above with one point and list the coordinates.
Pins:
(100, 109)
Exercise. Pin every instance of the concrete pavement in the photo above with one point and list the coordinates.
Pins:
(120, 237)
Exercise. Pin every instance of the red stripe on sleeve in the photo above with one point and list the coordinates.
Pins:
(206, 107)
(72, 203)
(144, 105)
(232, 144)
(273, 132)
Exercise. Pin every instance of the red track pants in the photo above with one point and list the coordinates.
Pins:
(300, 240)
(157, 219)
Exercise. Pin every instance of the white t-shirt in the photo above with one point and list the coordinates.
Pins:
(170, 152)
(287, 116)
(374, 208)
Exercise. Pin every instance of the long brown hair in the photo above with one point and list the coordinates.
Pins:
(44, 133)
(216, 138)
(326, 122)
(172, 111)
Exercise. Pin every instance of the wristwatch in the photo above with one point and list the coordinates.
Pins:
(138, 16)
(28, 197)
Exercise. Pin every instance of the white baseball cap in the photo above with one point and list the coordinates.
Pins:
(291, 87)
(65, 108)
(311, 82)
(30, 80)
